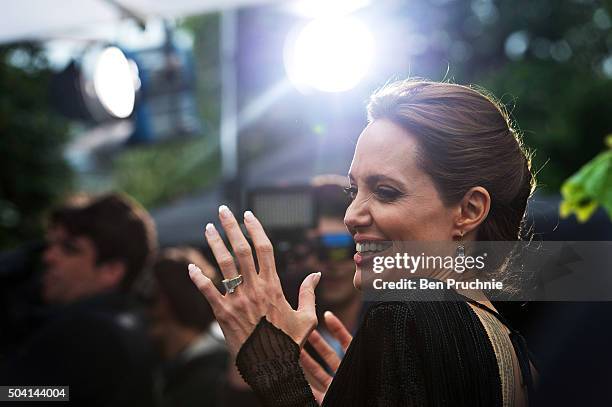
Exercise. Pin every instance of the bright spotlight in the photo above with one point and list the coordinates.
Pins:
(113, 81)
(326, 8)
(331, 55)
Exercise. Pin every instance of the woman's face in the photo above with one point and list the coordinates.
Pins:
(393, 199)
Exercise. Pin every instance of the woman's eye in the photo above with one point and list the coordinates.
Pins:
(351, 192)
(387, 193)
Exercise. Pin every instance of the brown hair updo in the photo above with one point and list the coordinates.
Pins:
(465, 139)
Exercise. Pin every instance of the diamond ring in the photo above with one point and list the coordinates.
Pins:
(230, 284)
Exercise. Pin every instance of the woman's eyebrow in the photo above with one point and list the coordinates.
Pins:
(376, 178)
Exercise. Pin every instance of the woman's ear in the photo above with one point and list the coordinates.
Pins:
(474, 208)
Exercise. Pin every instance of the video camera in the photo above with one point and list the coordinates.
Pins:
(288, 214)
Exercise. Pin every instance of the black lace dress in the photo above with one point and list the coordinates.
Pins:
(415, 353)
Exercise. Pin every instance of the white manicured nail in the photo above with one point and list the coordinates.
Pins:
(194, 269)
(224, 211)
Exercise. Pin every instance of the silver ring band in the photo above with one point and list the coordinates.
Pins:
(230, 284)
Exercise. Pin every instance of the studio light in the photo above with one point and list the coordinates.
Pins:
(114, 82)
(329, 54)
(98, 85)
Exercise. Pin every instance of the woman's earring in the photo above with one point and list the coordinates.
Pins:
(460, 252)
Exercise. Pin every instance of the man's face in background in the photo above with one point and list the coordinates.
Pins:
(70, 267)
(336, 264)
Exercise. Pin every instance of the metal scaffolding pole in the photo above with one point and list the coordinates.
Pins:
(229, 116)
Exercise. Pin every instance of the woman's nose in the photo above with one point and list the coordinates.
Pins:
(357, 215)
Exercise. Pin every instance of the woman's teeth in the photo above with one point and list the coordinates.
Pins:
(372, 247)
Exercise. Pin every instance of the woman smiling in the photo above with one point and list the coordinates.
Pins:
(437, 162)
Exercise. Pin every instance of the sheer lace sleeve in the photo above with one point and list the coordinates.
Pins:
(269, 362)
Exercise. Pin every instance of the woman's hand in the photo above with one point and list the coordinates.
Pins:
(260, 294)
(318, 378)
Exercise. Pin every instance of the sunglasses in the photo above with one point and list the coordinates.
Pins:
(330, 247)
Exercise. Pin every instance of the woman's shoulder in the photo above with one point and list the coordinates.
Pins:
(420, 303)
(442, 342)
(445, 313)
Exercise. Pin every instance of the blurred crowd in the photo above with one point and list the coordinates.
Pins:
(117, 318)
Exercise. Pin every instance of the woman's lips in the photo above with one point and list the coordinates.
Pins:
(361, 258)
(358, 259)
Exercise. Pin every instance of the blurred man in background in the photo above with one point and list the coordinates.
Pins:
(331, 252)
(93, 341)
(328, 248)
(184, 328)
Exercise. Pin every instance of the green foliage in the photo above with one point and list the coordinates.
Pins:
(563, 112)
(159, 173)
(590, 187)
(556, 89)
(205, 32)
(33, 172)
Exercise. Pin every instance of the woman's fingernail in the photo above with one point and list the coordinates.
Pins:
(193, 269)
(210, 228)
(248, 215)
(317, 277)
(327, 314)
(224, 212)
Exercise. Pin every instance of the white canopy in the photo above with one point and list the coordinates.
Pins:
(53, 19)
